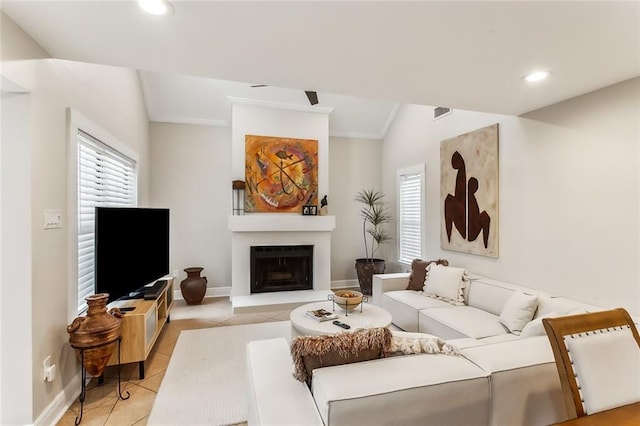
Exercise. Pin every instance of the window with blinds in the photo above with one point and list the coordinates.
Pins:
(410, 183)
(105, 178)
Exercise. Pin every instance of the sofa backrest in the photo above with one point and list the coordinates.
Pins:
(491, 295)
(549, 304)
(488, 295)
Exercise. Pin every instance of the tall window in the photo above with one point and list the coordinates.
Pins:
(105, 178)
(410, 183)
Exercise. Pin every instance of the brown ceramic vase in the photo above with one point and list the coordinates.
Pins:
(194, 287)
(94, 336)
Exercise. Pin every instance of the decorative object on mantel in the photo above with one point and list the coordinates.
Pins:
(309, 210)
(374, 214)
(96, 334)
(237, 197)
(281, 174)
(324, 210)
(194, 287)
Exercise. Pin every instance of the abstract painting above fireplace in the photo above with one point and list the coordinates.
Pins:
(281, 174)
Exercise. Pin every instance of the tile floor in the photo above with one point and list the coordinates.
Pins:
(102, 406)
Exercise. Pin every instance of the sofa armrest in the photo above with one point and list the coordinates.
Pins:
(274, 397)
(388, 282)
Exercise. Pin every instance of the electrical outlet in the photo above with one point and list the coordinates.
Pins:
(52, 218)
(46, 365)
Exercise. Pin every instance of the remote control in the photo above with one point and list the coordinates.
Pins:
(341, 324)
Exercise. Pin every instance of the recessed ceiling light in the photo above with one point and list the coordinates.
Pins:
(536, 76)
(156, 7)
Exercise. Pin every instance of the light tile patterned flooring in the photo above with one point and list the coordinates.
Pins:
(102, 406)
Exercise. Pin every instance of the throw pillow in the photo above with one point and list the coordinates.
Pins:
(311, 352)
(407, 343)
(535, 326)
(518, 311)
(446, 283)
(419, 272)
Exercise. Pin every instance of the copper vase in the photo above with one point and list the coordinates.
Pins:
(95, 336)
(194, 287)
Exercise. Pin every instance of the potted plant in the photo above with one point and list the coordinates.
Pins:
(374, 215)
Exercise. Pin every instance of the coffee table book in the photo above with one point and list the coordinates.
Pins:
(321, 315)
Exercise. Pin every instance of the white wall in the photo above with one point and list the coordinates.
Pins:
(15, 262)
(112, 98)
(569, 192)
(191, 175)
(354, 166)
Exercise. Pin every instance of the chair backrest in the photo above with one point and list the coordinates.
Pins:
(597, 355)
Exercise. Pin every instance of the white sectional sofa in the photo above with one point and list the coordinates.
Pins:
(500, 378)
(479, 318)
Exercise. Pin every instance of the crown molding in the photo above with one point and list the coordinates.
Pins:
(280, 105)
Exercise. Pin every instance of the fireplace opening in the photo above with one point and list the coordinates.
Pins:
(281, 268)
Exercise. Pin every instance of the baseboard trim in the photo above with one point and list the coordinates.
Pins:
(226, 291)
(344, 284)
(61, 403)
(211, 292)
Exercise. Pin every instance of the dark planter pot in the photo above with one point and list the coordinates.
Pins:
(366, 268)
(194, 287)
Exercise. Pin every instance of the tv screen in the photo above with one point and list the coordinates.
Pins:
(131, 249)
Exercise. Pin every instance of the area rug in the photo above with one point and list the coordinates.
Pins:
(205, 382)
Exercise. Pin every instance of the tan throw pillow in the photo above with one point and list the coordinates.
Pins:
(446, 283)
(311, 352)
(419, 272)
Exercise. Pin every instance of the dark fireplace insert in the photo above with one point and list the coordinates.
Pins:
(281, 268)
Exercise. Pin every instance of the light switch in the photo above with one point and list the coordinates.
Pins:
(52, 218)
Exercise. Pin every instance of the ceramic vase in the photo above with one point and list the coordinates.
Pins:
(95, 336)
(194, 287)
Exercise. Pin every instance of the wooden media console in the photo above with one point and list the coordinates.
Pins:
(141, 327)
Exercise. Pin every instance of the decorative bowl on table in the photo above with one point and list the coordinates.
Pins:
(347, 299)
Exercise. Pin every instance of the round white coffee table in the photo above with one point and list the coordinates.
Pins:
(371, 317)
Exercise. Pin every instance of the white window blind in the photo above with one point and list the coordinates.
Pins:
(105, 178)
(410, 183)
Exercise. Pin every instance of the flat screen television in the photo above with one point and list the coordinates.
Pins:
(131, 250)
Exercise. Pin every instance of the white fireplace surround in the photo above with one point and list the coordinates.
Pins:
(279, 229)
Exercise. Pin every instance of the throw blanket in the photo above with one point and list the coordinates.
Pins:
(311, 352)
(414, 343)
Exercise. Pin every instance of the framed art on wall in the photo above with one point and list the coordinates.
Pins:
(469, 192)
(281, 174)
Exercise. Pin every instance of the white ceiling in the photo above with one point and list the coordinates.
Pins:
(466, 55)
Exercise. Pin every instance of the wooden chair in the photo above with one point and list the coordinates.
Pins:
(598, 360)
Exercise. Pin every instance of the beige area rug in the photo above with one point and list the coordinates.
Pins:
(205, 382)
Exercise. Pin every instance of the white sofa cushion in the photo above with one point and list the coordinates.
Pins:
(489, 295)
(270, 386)
(462, 321)
(525, 387)
(415, 299)
(404, 305)
(607, 366)
(518, 311)
(446, 283)
(403, 390)
(535, 326)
